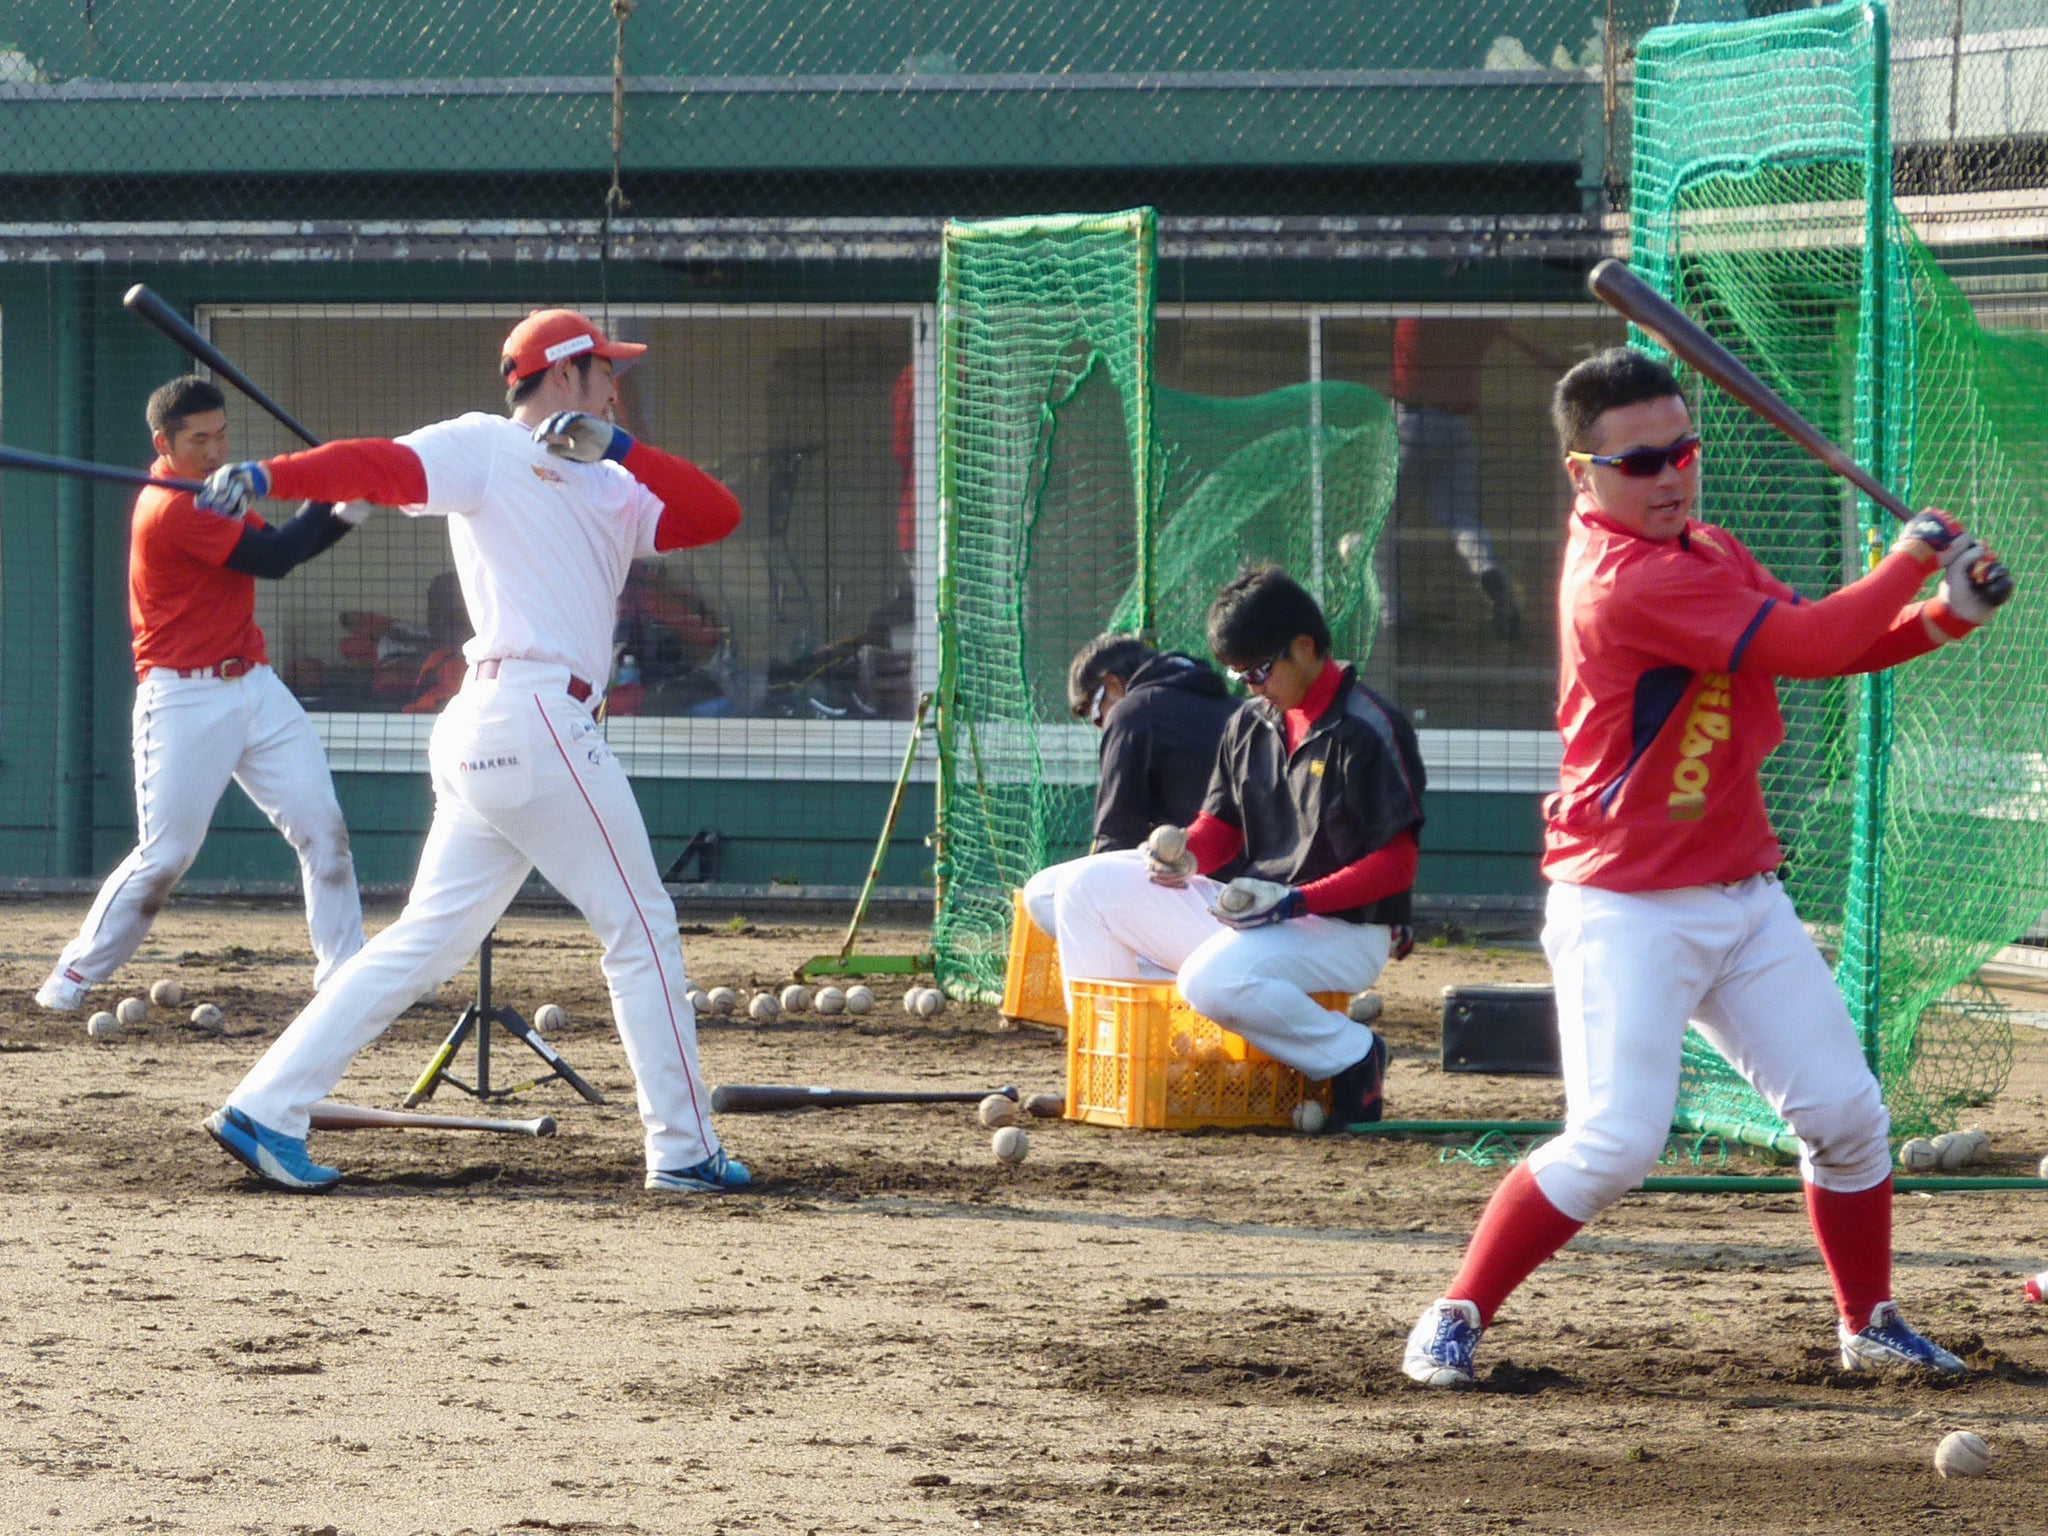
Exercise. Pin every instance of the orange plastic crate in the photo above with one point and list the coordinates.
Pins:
(1032, 987)
(1138, 1055)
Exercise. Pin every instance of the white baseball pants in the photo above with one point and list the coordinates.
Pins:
(1255, 983)
(192, 735)
(1632, 969)
(523, 780)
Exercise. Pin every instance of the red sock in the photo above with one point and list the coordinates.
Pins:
(1518, 1230)
(1855, 1236)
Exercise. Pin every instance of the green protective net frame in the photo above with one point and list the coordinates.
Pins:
(1914, 805)
(1075, 497)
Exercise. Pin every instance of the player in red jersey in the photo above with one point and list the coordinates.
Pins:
(1664, 903)
(207, 706)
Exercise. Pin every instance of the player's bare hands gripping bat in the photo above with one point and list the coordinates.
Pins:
(1988, 583)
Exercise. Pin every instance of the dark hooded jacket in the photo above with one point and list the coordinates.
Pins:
(1158, 749)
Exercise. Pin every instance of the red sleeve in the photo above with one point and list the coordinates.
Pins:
(372, 469)
(695, 509)
(1383, 872)
(1908, 637)
(1214, 843)
(1829, 638)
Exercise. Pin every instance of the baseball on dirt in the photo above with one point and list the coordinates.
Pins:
(721, 999)
(763, 1006)
(1045, 1106)
(1364, 1007)
(795, 998)
(102, 1024)
(859, 999)
(131, 1010)
(1918, 1155)
(997, 1110)
(1010, 1144)
(549, 1017)
(1979, 1140)
(1961, 1454)
(1951, 1151)
(930, 1001)
(206, 1016)
(167, 993)
(829, 1000)
(1310, 1117)
(910, 997)
(698, 1001)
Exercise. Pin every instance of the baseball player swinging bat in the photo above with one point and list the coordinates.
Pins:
(145, 304)
(330, 1116)
(1617, 286)
(769, 1098)
(51, 464)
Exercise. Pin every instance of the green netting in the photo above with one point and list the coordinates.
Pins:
(1913, 806)
(1076, 497)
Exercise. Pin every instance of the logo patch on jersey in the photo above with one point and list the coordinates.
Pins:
(1315, 768)
(542, 472)
(1708, 722)
(486, 764)
(1701, 536)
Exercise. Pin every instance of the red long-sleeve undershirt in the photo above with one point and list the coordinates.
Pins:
(695, 509)
(1384, 872)
(1861, 628)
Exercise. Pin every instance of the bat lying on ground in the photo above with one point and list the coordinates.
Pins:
(1616, 285)
(767, 1098)
(140, 301)
(329, 1116)
(50, 464)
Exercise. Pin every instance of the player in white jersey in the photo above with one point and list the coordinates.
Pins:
(546, 510)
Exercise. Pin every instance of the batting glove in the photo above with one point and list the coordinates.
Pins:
(1248, 903)
(1974, 583)
(1167, 859)
(1936, 529)
(233, 488)
(585, 438)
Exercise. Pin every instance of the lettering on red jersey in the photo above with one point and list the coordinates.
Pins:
(1708, 724)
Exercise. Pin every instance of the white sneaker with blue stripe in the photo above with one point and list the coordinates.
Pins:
(277, 1159)
(1441, 1345)
(714, 1176)
(1887, 1344)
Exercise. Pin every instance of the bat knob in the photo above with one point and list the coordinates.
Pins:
(1010, 1093)
(1992, 582)
(544, 1126)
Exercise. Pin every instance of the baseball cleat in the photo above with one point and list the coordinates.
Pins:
(1358, 1093)
(63, 991)
(714, 1176)
(277, 1159)
(1886, 1343)
(1441, 1344)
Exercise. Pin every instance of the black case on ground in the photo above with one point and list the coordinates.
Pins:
(1505, 1027)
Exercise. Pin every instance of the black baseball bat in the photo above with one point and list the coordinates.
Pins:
(767, 1098)
(142, 302)
(50, 464)
(1615, 284)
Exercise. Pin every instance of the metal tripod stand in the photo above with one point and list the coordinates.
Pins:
(480, 1016)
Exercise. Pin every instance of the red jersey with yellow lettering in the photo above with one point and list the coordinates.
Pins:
(1663, 730)
(186, 607)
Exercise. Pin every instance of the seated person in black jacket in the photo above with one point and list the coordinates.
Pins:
(1161, 716)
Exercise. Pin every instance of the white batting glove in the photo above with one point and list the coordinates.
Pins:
(1249, 903)
(351, 512)
(232, 489)
(580, 436)
(1958, 593)
(1167, 859)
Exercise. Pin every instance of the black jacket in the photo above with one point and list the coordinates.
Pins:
(1158, 749)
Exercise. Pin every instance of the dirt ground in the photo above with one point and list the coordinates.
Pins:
(1132, 1331)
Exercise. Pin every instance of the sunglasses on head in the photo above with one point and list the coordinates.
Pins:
(1643, 463)
(1253, 677)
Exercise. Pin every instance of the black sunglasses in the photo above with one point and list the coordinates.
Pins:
(1253, 677)
(1644, 463)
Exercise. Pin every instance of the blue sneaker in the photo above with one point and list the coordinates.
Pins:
(1886, 1344)
(1440, 1347)
(277, 1159)
(714, 1176)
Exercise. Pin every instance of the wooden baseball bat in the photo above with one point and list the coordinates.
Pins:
(50, 464)
(330, 1116)
(1616, 285)
(768, 1098)
(145, 304)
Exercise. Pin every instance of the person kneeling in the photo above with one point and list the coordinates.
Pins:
(1318, 788)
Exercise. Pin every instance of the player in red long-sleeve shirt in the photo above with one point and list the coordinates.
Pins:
(1318, 783)
(1665, 907)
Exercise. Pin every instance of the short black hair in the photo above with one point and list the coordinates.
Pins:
(1258, 615)
(185, 396)
(1117, 656)
(1605, 382)
(517, 390)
